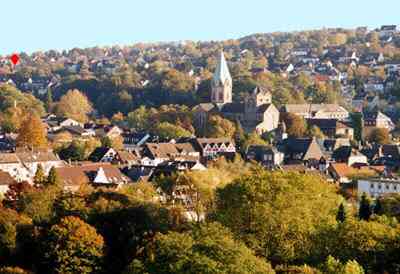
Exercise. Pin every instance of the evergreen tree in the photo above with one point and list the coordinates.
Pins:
(53, 178)
(49, 100)
(378, 209)
(341, 214)
(365, 211)
(40, 177)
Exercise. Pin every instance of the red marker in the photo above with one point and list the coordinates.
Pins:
(14, 59)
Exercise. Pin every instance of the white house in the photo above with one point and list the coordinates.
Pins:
(377, 187)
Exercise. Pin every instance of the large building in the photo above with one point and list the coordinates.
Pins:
(256, 113)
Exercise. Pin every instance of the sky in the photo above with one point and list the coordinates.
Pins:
(33, 25)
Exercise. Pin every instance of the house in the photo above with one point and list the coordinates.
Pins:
(74, 131)
(374, 84)
(388, 155)
(321, 111)
(343, 173)
(154, 154)
(256, 113)
(55, 123)
(332, 127)
(265, 155)
(97, 174)
(214, 147)
(301, 150)
(387, 31)
(109, 131)
(126, 158)
(349, 155)
(22, 165)
(376, 119)
(378, 187)
(103, 154)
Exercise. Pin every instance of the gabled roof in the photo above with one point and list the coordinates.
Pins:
(222, 74)
(99, 153)
(308, 147)
(6, 179)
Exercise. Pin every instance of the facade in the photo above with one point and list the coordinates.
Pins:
(377, 187)
(318, 111)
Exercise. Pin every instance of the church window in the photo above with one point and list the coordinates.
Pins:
(221, 96)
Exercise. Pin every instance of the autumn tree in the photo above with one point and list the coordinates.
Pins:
(74, 247)
(75, 105)
(32, 133)
(341, 213)
(295, 125)
(168, 131)
(53, 178)
(219, 127)
(379, 136)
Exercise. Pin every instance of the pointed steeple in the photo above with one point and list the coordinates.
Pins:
(221, 85)
(222, 73)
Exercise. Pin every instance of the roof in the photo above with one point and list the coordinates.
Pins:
(37, 156)
(233, 108)
(305, 108)
(327, 123)
(205, 107)
(99, 153)
(6, 179)
(126, 156)
(8, 158)
(85, 173)
(307, 146)
(204, 141)
(222, 74)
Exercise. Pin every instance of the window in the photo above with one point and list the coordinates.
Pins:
(395, 187)
(372, 186)
(221, 96)
(387, 187)
(379, 186)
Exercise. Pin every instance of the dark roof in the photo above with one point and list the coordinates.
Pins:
(306, 146)
(233, 108)
(263, 108)
(98, 153)
(327, 123)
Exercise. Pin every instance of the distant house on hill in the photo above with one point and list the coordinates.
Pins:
(321, 111)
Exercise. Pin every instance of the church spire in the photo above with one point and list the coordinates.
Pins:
(222, 73)
(221, 85)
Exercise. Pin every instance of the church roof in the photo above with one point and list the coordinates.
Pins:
(233, 108)
(222, 73)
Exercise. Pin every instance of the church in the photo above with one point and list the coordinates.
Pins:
(256, 113)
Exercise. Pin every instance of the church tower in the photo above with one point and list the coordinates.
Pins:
(221, 84)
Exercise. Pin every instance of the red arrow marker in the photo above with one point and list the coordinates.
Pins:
(14, 59)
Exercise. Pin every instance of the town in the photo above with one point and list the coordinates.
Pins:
(189, 125)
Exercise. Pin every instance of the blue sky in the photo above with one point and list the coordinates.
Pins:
(31, 25)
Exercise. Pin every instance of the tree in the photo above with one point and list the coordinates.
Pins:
(73, 152)
(273, 212)
(378, 209)
(219, 127)
(32, 133)
(380, 136)
(295, 125)
(40, 178)
(341, 214)
(74, 247)
(316, 132)
(52, 178)
(210, 248)
(365, 210)
(74, 105)
(49, 100)
(334, 266)
(169, 131)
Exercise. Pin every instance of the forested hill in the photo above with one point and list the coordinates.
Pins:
(295, 66)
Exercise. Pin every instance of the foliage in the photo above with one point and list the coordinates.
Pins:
(276, 213)
(40, 178)
(74, 247)
(365, 210)
(379, 136)
(295, 125)
(209, 248)
(32, 133)
(74, 105)
(169, 131)
(341, 214)
(219, 127)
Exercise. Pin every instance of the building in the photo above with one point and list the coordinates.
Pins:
(377, 187)
(317, 111)
(265, 155)
(256, 113)
(332, 128)
(214, 147)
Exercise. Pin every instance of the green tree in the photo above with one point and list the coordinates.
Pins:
(49, 100)
(378, 209)
(209, 248)
(40, 177)
(275, 213)
(74, 247)
(167, 130)
(53, 178)
(365, 210)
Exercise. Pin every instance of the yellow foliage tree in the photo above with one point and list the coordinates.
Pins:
(74, 105)
(32, 133)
